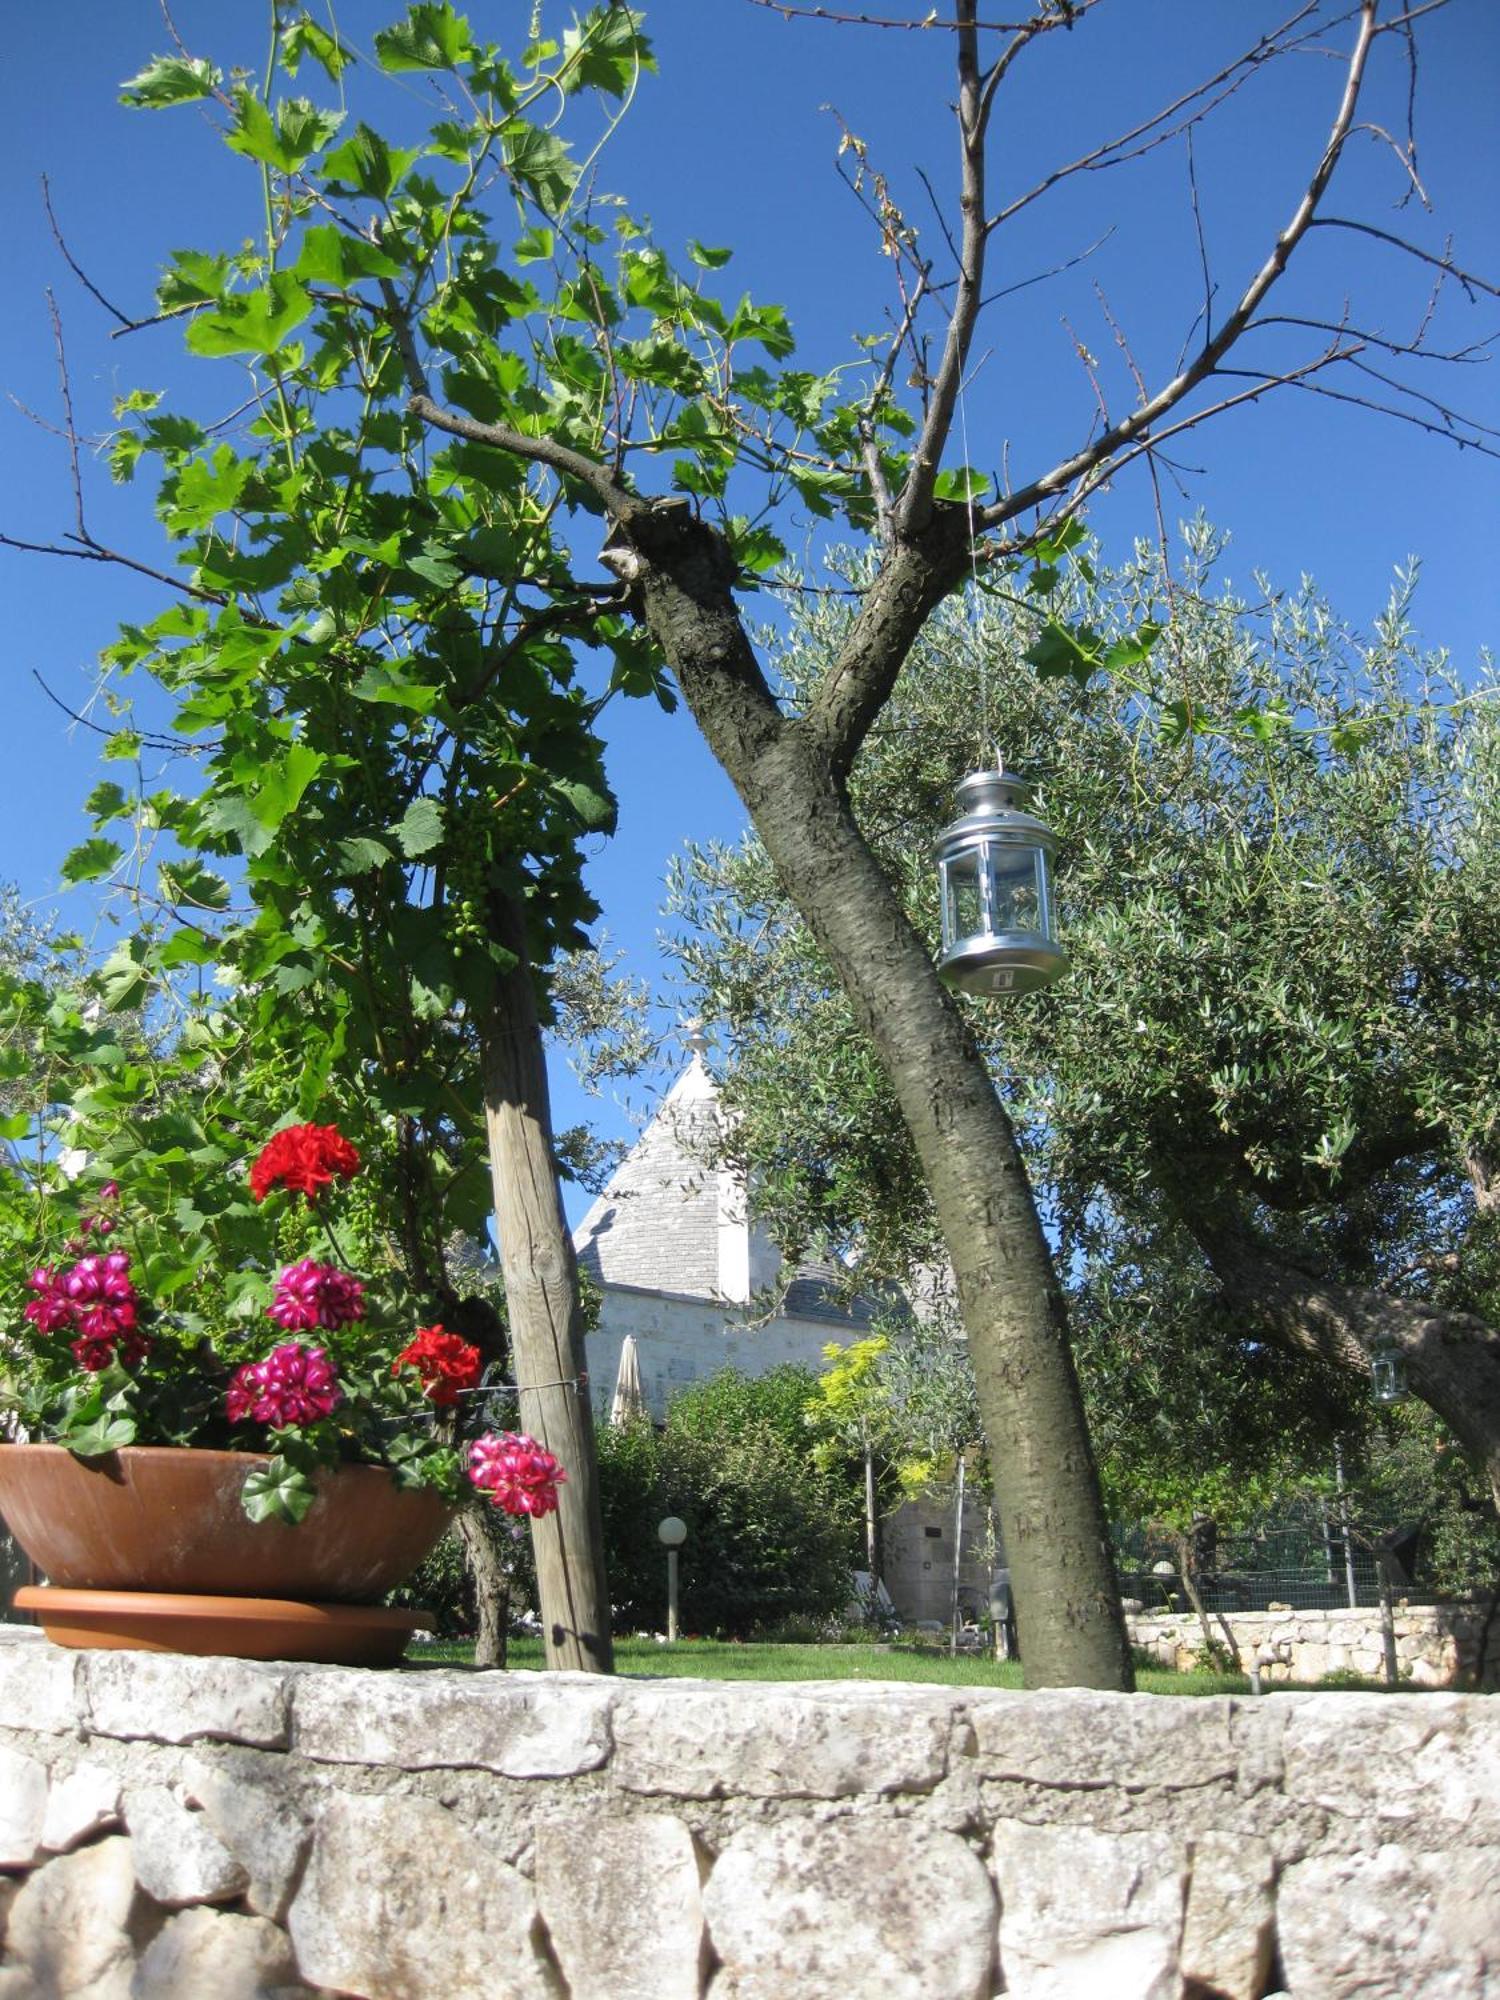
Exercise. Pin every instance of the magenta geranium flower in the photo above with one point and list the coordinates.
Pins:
(316, 1295)
(96, 1298)
(293, 1385)
(51, 1308)
(518, 1474)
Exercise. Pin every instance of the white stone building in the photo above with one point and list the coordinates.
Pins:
(684, 1268)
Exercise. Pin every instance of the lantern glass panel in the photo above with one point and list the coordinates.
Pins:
(1016, 889)
(963, 907)
(1388, 1378)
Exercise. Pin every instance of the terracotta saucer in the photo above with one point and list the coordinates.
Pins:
(244, 1628)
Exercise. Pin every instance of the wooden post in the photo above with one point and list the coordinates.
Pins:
(546, 1324)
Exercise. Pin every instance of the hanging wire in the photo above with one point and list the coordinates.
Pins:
(578, 1383)
(986, 735)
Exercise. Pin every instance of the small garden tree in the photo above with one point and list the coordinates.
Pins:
(576, 371)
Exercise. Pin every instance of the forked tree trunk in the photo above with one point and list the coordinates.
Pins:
(1071, 1627)
(546, 1322)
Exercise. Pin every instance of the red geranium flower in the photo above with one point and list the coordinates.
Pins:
(445, 1361)
(303, 1159)
(518, 1474)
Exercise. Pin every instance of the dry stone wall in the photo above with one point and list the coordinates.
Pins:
(179, 1828)
(1437, 1645)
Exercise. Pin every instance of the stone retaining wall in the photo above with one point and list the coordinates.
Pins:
(182, 1828)
(1437, 1645)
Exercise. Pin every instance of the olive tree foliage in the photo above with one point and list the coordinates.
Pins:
(1261, 1110)
(526, 375)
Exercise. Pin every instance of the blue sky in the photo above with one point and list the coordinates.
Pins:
(733, 143)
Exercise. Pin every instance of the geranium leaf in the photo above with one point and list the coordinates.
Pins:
(277, 1492)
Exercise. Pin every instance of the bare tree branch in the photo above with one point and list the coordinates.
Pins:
(78, 272)
(174, 744)
(976, 94)
(1170, 121)
(1470, 281)
(1140, 422)
(1061, 13)
(88, 550)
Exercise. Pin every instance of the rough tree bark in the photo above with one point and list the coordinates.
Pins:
(1452, 1359)
(483, 1542)
(546, 1321)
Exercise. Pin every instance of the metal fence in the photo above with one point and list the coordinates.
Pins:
(1310, 1557)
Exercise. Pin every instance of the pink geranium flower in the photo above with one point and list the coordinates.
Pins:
(97, 1298)
(51, 1308)
(517, 1473)
(293, 1385)
(316, 1295)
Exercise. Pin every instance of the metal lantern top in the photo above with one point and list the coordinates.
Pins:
(995, 869)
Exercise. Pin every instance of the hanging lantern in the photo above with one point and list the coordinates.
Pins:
(995, 876)
(1388, 1374)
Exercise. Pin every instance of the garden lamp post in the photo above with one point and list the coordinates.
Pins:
(672, 1533)
(995, 877)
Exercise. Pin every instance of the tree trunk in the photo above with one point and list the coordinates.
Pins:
(546, 1323)
(485, 1556)
(1072, 1630)
(1452, 1359)
(1052, 1522)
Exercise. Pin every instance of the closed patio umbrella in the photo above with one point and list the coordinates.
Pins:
(630, 1396)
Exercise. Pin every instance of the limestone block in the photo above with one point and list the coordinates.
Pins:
(622, 1903)
(400, 1902)
(170, 1698)
(1373, 1757)
(68, 1932)
(9, 1890)
(82, 1804)
(1068, 1737)
(854, 1906)
(23, 1808)
(710, 1741)
(261, 1827)
(210, 1952)
(1229, 1931)
(521, 1725)
(1391, 1924)
(1085, 1914)
(36, 1681)
(179, 1859)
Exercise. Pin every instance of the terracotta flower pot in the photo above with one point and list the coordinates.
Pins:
(168, 1523)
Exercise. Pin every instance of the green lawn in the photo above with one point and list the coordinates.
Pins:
(718, 1660)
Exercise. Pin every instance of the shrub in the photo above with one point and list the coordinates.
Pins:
(769, 1537)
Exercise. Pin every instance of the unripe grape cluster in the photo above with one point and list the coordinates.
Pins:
(468, 871)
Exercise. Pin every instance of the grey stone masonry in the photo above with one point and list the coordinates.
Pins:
(1435, 1645)
(183, 1827)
